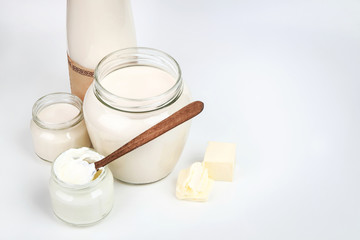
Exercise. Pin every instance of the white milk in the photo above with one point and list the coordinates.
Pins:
(110, 127)
(95, 28)
(138, 82)
(58, 125)
(58, 113)
(98, 27)
(76, 197)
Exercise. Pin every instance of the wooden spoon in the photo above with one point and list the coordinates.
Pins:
(177, 118)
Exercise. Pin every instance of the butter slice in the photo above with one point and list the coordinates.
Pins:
(220, 160)
(194, 184)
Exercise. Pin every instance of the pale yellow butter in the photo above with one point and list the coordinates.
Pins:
(220, 160)
(194, 184)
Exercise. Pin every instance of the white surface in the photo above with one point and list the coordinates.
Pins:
(279, 79)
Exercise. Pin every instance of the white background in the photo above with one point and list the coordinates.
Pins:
(279, 78)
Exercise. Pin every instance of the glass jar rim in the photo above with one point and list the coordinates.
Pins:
(137, 105)
(54, 98)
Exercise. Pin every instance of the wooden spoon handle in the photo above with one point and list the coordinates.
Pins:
(177, 118)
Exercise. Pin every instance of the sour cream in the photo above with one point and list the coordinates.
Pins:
(76, 166)
(77, 195)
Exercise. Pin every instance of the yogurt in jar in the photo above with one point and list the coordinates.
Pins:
(80, 195)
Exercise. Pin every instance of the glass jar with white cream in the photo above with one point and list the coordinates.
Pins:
(134, 89)
(80, 195)
(58, 124)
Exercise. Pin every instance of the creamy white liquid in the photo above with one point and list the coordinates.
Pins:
(109, 129)
(98, 27)
(138, 82)
(58, 113)
(49, 143)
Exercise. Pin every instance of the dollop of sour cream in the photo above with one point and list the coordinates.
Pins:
(76, 165)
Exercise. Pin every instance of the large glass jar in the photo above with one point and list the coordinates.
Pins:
(145, 87)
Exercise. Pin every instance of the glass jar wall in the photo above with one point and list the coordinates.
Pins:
(58, 124)
(82, 205)
(134, 89)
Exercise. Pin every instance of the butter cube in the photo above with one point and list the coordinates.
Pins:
(193, 183)
(220, 160)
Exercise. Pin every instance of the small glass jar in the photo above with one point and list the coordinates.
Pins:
(58, 124)
(113, 119)
(82, 205)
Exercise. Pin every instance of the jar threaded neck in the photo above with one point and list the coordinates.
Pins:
(55, 98)
(131, 57)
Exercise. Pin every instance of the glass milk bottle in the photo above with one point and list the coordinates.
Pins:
(94, 29)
